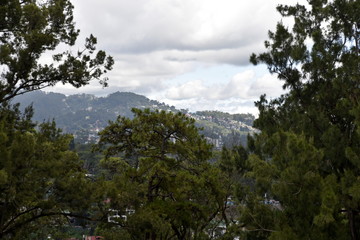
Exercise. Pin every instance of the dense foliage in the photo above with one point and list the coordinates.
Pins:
(42, 183)
(160, 178)
(40, 178)
(307, 154)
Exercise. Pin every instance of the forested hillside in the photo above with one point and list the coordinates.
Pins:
(84, 115)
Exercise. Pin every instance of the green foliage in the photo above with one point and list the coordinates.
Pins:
(307, 154)
(41, 180)
(29, 29)
(158, 167)
(90, 159)
(42, 183)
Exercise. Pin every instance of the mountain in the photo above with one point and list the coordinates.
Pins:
(84, 115)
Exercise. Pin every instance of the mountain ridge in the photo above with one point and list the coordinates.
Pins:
(84, 115)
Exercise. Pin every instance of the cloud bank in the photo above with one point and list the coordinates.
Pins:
(155, 41)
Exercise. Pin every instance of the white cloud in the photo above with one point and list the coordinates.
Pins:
(191, 89)
(244, 85)
(267, 84)
(238, 86)
(154, 41)
(235, 96)
(144, 26)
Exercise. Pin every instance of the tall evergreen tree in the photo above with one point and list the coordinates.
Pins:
(159, 170)
(308, 152)
(41, 180)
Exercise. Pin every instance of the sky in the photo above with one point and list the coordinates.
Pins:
(191, 54)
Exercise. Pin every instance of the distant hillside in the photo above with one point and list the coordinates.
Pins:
(84, 115)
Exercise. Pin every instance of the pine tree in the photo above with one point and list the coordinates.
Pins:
(158, 166)
(307, 154)
(41, 180)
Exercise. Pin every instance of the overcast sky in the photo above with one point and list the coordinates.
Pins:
(193, 54)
